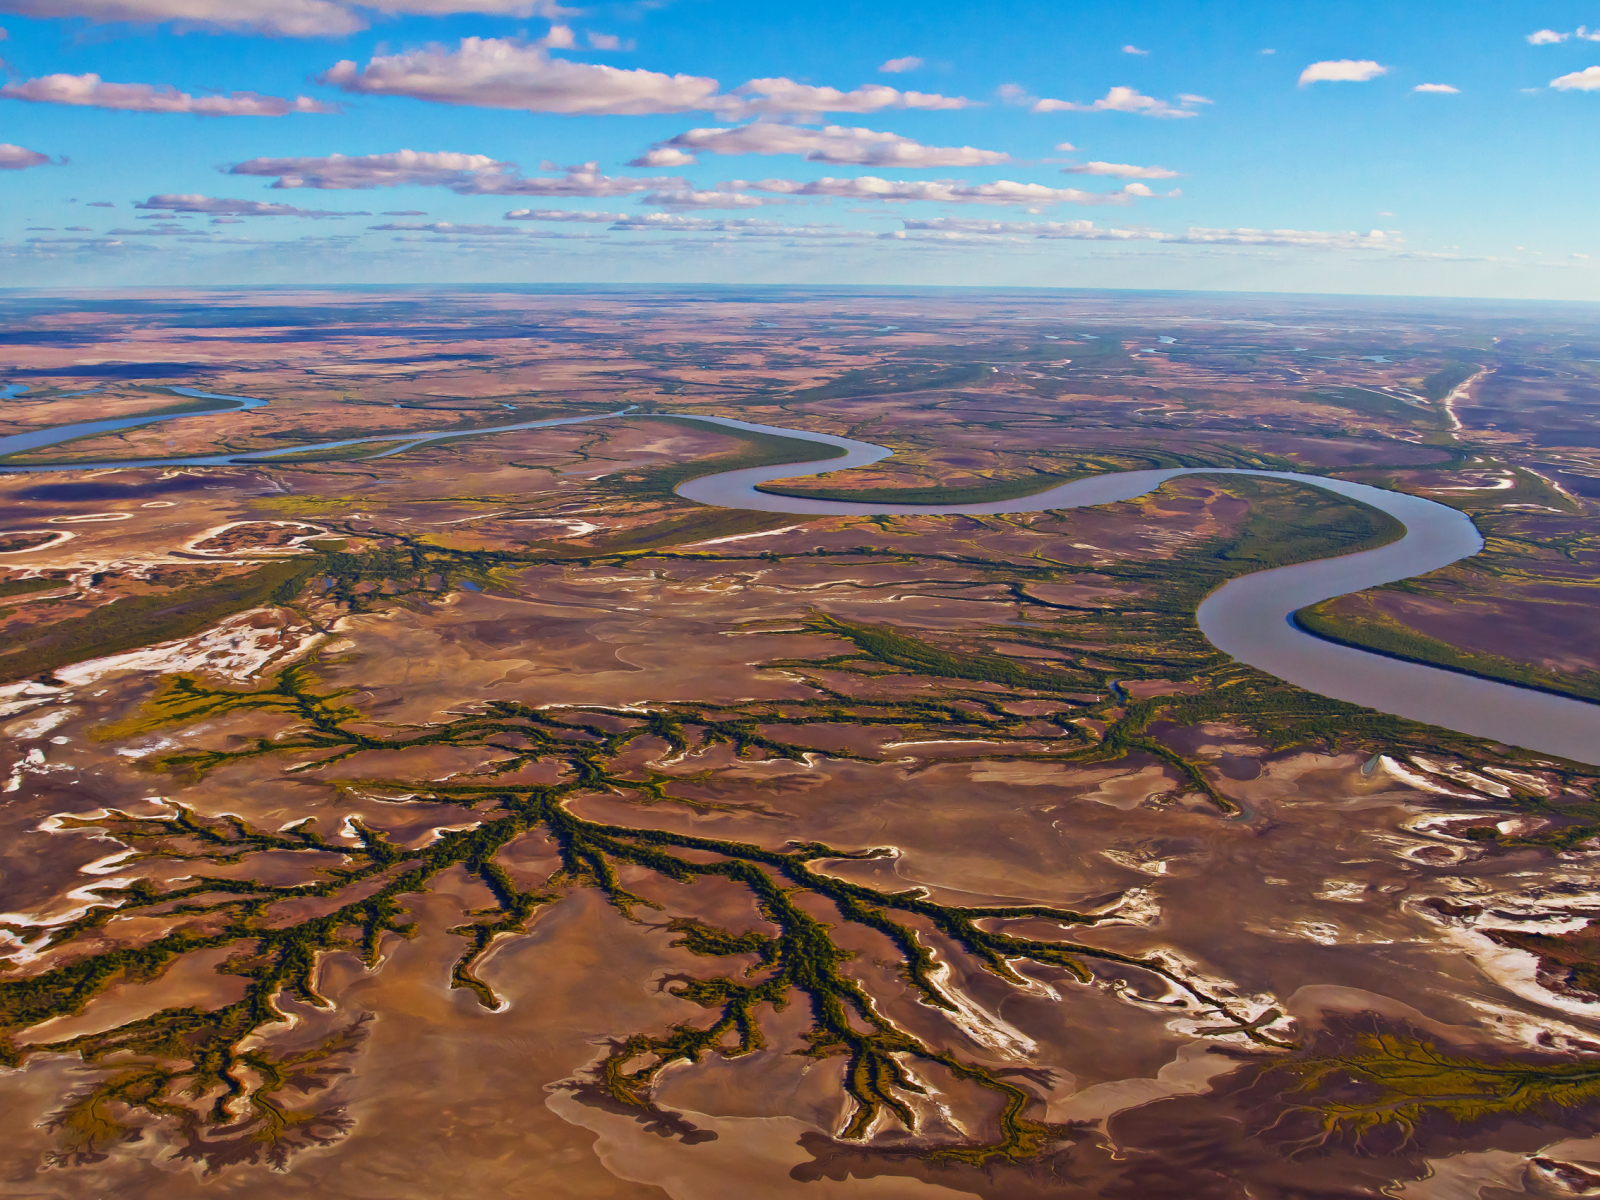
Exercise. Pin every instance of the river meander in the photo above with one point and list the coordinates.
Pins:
(1249, 618)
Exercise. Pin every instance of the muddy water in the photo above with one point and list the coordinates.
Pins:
(1250, 618)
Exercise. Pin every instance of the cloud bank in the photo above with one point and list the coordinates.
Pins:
(834, 144)
(90, 91)
(464, 174)
(275, 18)
(1127, 100)
(506, 73)
(944, 191)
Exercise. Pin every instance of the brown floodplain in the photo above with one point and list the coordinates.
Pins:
(543, 765)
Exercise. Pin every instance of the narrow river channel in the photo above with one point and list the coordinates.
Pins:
(1249, 618)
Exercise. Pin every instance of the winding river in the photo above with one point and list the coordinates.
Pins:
(1249, 618)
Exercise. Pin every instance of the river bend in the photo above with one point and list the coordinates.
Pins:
(1248, 618)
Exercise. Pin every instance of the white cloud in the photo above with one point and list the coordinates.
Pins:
(1269, 52)
(15, 158)
(90, 91)
(945, 191)
(396, 169)
(785, 96)
(682, 198)
(1194, 236)
(191, 203)
(1078, 230)
(276, 18)
(464, 174)
(1547, 37)
(563, 214)
(663, 156)
(1128, 100)
(1344, 70)
(448, 227)
(501, 73)
(1068, 146)
(1442, 89)
(743, 227)
(583, 179)
(1377, 239)
(1134, 50)
(896, 66)
(1119, 171)
(605, 41)
(1586, 80)
(505, 73)
(1587, 34)
(834, 144)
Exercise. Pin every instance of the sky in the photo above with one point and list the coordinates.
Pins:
(1356, 147)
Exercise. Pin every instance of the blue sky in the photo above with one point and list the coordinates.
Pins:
(1151, 145)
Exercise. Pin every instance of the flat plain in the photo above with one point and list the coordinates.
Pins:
(425, 807)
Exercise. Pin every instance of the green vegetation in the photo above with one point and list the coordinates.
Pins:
(23, 587)
(984, 493)
(757, 450)
(1445, 380)
(1370, 1087)
(233, 1097)
(1380, 633)
(1376, 404)
(334, 454)
(898, 377)
(135, 621)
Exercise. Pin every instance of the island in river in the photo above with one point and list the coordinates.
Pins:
(394, 796)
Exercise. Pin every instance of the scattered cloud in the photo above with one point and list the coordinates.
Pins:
(1130, 49)
(503, 73)
(663, 156)
(786, 97)
(683, 198)
(90, 91)
(1343, 70)
(834, 144)
(100, 204)
(606, 41)
(16, 158)
(1119, 171)
(396, 169)
(1067, 146)
(868, 187)
(896, 66)
(582, 179)
(1127, 100)
(1269, 51)
(1377, 239)
(559, 214)
(464, 174)
(506, 73)
(1586, 80)
(403, 212)
(1194, 236)
(1442, 89)
(1547, 37)
(448, 227)
(190, 203)
(275, 18)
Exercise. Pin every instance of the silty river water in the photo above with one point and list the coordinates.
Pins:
(1249, 618)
